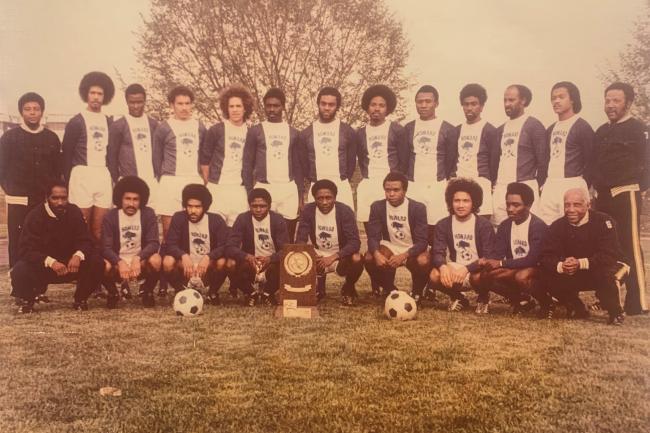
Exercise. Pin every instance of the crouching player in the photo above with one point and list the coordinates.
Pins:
(195, 244)
(468, 237)
(397, 235)
(331, 227)
(130, 241)
(512, 268)
(254, 246)
(55, 247)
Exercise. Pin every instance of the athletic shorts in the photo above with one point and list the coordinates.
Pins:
(331, 268)
(284, 198)
(344, 194)
(90, 186)
(228, 201)
(170, 193)
(500, 213)
(368, 192)
(432, 195)
(551, 201)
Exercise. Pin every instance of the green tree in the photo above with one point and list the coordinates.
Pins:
(297, 45)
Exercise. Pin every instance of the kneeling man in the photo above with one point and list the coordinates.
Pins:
(130, 241)
(254, 247)
(582, 252)
(397, 235)
(55, 247)
(195, 245)
(331, 227)
(467, 236)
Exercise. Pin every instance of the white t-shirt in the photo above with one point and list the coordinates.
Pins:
(327, 236)
(469, 142)
(96, 138)
(425, 146)
(377, 140)
(277, 138)
(130, 235)
(399, 229)
(264, 245)
(519, 245)
(326, 148)
(509, 149)
(187, 145)
(558, 147)
(199, 239)
(464, 233)
(234, 139)
(141, 138)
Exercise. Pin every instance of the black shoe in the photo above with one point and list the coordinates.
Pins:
(546, 312)
(148, 300)
(111, 302)
(213, 299)
(80, 306)
(125, 290)
(348, 301)
(375, 293)
(417, 299)
(99, 293)
(616, 320)
(268, 299)
(234, 292)
(251, 300)
(26, 308)
(524, 306)
(42, 299)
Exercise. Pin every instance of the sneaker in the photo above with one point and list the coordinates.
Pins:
(26, 308)
(250, 300)
(268, 300)
(213, 299)
(233, 292)
(458, 304)
(124, 290)
(42, 299)
(148, 300)
(111, 302)
(375, 293)
(416, 298)
(616, 320)
(162, 292)
(596, 306)
(547, 312)
(348, 301)
(482, 308)
(99, 293)
(80, 305)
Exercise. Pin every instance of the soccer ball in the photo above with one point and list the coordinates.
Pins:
(400, 306)
(188, 302)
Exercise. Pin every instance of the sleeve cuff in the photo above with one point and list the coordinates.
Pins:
(81, 255)
(559, 268)
(584, 263)
(49, 261)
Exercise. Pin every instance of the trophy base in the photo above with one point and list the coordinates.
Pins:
(285, 312)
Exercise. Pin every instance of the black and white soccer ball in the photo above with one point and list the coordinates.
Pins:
(188, 302)
(400, 306)
(466, 254)
(399, 234)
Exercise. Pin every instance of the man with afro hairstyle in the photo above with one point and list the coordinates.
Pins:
(195, 244)
(130, 241)
(465, 238)
(85, 143)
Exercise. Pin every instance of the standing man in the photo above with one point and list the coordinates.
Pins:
(176, 145)
(331, 227)
(581, 252)
(254, 247)
(511, 270)
(397, 236)
(433, 152)
(329, 146)
(84, 152)
(272, 160)
(130, 147)
(621, 174)
(30, 159)
(196, 243)
(571, 146)
(130, 241)
(468, 238)
(477, 141)
(55, 247)
(524, 150)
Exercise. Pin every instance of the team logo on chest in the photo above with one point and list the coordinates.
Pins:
(466, 151)
(141, 139)
(199, 246)
(235, 151)
(520, 251)
(277, 149)
(423, 145)
(377, 150)
(463, 248)
(129, 239)
(555, 147)
(187, 146)
(508, 150)
(265, 241)
(326, 146)
(98, 141)
(398, 230)
(324, 240)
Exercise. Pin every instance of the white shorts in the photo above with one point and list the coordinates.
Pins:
(284, 198)
(551, 201)
(344, 194)
(368, 192)
(395, 249)
(500, 212)
(228, 201)
(432, 195)
(170, 193)
(90, 186)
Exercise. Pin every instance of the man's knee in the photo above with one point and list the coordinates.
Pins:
(524, 277)
(475, 279)
(368, 260)
(155, 262)
(168, 264)
(230, 266)
(434, 276)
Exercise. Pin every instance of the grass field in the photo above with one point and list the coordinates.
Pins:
(237, 369)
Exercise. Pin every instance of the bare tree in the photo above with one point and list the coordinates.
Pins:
(634, 66)
(297, 45)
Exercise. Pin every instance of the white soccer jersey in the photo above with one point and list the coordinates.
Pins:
(464, 233)
(509, 150)
(469, 142)
(327, 236)
(425, 146)
(326, 147)
(519, 245)
(96, 138)
(199, 239)
(264, 245)
(277, 137)
(558, 147)
(377, 140)
(399, 229)
(234, 139)
(187, 145)
(141, 138)
(130, 235)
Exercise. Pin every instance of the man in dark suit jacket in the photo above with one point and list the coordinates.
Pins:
(130, 241)
(254, 247)
(332, 230)
(397, 235)
(195, 245)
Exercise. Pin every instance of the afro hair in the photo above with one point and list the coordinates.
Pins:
(384, 92)
(197, 191)
(31, 97)
(236, 91)
(324, 184)
(259, 193)
(523, 191)
(100, 79)
(469, 186)
(130, 184)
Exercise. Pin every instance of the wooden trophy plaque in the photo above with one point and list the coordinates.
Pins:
(297, 291)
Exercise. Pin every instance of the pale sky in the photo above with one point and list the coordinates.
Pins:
(47, 45)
